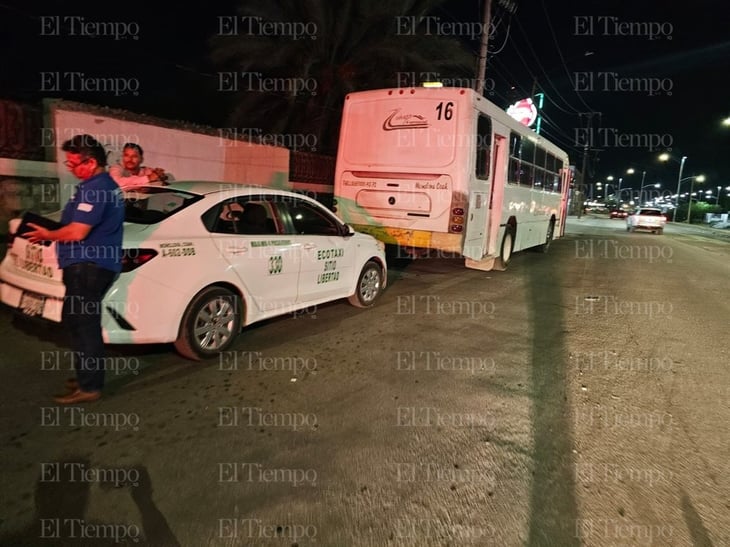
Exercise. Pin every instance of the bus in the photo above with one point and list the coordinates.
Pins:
(444, 171)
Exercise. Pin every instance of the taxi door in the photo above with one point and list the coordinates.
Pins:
(266, 262)
(327, 256)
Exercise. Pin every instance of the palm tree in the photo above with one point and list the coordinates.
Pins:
(287, 66)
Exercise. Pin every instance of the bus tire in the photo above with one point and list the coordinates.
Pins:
(548, 238)
(506, 248)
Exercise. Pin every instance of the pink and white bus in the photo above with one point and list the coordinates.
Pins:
(444, 169)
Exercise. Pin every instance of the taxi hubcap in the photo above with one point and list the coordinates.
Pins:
(215, 322)
(370, 284)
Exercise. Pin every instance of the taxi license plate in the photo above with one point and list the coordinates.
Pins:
(32, 304)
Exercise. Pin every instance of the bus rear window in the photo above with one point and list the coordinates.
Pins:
(419, 133)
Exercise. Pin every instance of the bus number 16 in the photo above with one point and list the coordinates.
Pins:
(446, 111)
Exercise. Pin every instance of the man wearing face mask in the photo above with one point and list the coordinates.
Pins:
(90, 254)
(130, 173)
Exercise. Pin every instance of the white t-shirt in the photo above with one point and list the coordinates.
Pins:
(126, 180)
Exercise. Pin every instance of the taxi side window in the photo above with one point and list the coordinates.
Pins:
(244, 217)
(308, 220)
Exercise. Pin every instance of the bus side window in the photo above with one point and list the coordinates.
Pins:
(541, 180)
(527, 157)
(514, 160)
(558, 173)
(483, 147)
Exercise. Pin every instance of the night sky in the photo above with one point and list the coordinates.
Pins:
(648, 75)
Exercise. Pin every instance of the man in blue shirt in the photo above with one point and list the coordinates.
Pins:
(90, 255)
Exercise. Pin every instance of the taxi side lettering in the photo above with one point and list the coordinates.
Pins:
(33, 261)
(327, 254)
(185, 248)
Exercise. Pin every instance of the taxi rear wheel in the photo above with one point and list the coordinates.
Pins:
(210, 324)
(369, 286)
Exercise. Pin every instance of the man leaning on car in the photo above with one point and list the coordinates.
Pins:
(89, 253)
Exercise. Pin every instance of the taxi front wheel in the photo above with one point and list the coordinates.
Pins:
(369, 286)
(210, 324)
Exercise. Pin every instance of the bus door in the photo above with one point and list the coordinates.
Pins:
(480, 185)
(499, 181)
(475, 240)
(565, 176)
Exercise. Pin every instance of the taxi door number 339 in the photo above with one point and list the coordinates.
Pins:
(276, 264)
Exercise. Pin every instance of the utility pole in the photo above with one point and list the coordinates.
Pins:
(482, 68)
(582, 183)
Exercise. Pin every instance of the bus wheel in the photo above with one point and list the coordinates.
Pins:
(505, 250)
(548, 238)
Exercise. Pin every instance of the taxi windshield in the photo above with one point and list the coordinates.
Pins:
(150, 205)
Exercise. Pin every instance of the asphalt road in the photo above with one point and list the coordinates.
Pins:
(579, 398)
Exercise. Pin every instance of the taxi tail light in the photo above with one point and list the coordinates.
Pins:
(134, 258)
(13, 227)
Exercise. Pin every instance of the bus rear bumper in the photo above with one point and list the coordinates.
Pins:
(418, 240)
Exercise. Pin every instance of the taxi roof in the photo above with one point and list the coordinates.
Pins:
(206, 187)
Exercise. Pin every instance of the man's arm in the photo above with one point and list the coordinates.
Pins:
(75, 231)
(131, 181)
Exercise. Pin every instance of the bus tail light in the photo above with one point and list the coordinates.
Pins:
(134, 258)
(456, 225)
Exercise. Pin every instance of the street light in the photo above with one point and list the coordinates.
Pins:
(618, 192)
(603, 187)
(665, 157)
(631, 171)
(698, 178)
(717, 197)
(641, 192)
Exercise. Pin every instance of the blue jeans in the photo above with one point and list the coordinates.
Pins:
(86, 284)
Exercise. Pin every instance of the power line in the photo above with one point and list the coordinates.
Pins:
(560, 53)
(545, 73)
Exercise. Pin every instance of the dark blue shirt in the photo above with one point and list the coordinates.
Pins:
(98, 202)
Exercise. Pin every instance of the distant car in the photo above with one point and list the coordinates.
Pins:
(202, 260)
(618, 213)
(646, 218)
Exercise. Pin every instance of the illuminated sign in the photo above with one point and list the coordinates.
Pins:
(523, 111)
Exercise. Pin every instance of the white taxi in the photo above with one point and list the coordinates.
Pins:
(202, 260)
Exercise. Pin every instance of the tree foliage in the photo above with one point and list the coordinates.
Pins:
(286, 66)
